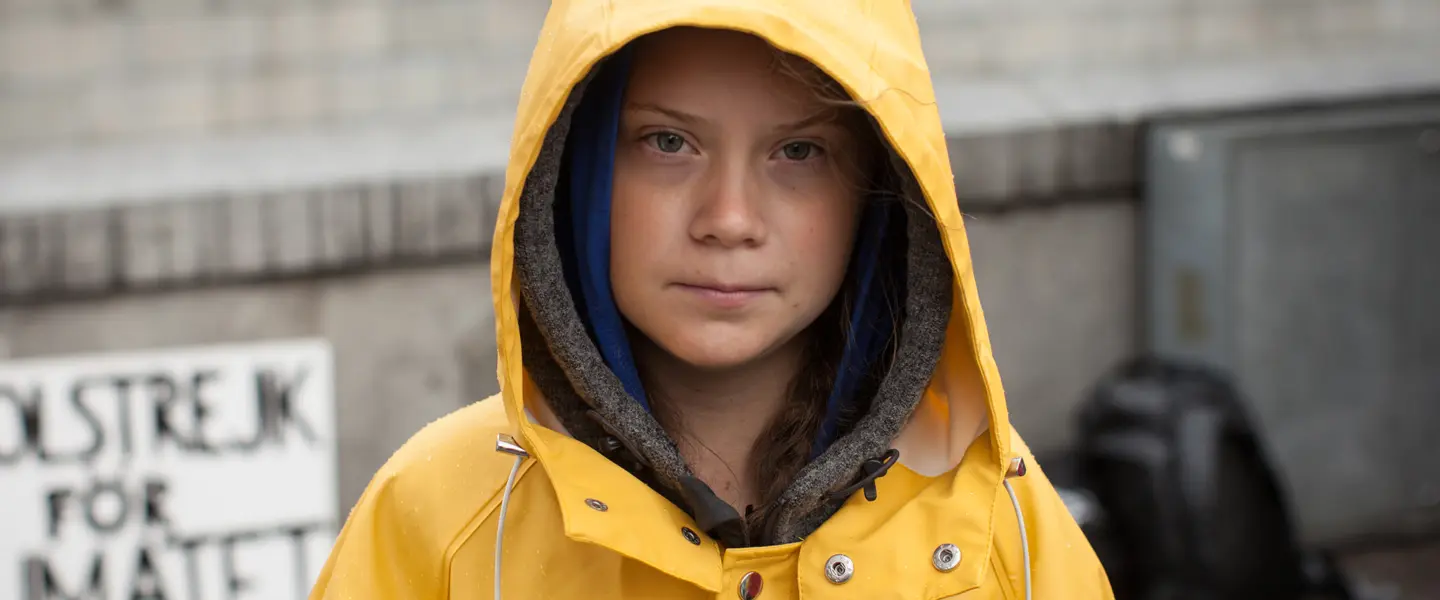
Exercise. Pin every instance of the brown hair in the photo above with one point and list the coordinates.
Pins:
(784, 448)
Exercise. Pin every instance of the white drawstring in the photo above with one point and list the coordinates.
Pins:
(1024, 541)
(500, 529)
(506, 444)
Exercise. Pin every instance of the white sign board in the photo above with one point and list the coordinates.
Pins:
(184, 474)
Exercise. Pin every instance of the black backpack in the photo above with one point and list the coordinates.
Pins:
(1171, 484)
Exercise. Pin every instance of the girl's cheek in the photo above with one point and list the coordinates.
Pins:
(645, 169)
(815, 188)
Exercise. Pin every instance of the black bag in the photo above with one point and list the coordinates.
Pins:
(1188, 505)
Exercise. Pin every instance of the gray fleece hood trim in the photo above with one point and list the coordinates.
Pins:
(590, 401)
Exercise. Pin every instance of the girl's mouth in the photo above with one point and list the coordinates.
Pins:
(727, 296)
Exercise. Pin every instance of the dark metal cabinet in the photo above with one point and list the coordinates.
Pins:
(1300, 251)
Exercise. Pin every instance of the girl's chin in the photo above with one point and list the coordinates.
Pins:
(715, 357)
(720, 352)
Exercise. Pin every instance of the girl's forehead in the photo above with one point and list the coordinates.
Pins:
(720, 71)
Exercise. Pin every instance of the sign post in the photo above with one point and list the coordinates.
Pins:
(183, 474)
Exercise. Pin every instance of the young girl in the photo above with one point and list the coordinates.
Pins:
(741, 350)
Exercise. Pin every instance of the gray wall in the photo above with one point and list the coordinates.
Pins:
(394, 273)
(93, 71)
(96, 70)
(1058, 287)
(409, 345)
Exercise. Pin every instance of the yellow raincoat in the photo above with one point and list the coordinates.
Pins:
(576, 525)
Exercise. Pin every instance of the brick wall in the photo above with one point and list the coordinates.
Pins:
(83, 71)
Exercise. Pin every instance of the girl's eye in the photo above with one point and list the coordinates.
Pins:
(669, 143)
(798, 150)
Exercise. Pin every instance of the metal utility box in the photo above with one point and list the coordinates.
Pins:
(1300, 251)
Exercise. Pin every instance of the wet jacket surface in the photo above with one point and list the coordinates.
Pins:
(945, 521)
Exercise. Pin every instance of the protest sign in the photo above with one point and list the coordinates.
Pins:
(180, 474)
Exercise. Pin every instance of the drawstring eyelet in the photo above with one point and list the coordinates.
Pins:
(614, 446)
(872, 470)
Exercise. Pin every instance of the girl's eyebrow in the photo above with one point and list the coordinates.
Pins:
(821, 117)
(678, 115)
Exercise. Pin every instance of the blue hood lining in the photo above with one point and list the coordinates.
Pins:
(586, 256)
(591, 172)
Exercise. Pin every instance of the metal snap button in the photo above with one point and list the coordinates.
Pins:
(946, 558)
(750, 586)
(839, 569)
(596, 504)
(690, 535)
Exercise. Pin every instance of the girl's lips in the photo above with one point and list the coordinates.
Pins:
(723, 296)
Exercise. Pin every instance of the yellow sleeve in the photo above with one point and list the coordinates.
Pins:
(376, 555)
(397, 540)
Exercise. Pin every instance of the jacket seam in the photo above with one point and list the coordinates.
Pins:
(472, 525)
(1002, 576)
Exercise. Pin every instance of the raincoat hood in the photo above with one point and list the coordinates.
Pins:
(595, 483)
(870, 49)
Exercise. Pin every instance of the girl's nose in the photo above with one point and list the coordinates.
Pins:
(729, 214)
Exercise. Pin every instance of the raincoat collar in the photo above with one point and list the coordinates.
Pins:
(635, 522)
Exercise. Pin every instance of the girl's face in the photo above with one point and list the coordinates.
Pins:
(735, 199)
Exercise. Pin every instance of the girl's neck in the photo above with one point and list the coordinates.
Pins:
(716, 416)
